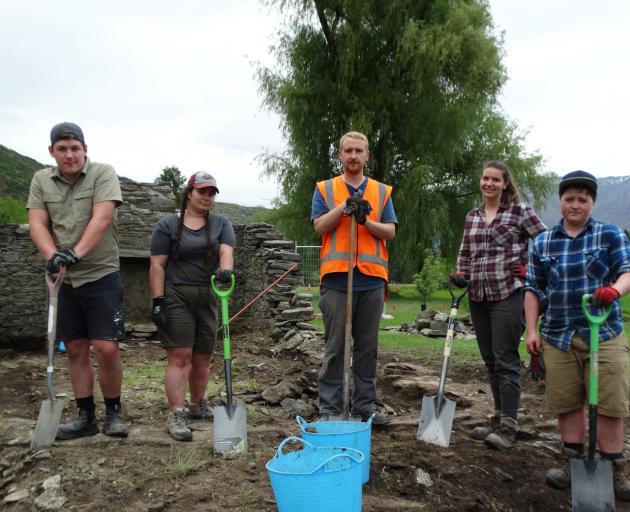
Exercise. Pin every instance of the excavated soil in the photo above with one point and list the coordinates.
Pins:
(150, 472)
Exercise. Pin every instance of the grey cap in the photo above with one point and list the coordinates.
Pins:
(66, 131)
(578, 179)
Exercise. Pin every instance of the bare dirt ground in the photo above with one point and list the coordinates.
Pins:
(150, 472)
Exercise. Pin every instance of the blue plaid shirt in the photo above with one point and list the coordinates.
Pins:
(562, 268)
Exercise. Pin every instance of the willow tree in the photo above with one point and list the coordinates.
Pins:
(420, 79)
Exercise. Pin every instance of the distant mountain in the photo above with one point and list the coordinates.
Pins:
(612, 205)
(16, 172)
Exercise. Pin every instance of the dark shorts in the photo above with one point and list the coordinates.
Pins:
(93, 310)
(191, 318)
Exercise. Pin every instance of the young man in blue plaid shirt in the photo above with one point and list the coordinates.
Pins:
(581, 255)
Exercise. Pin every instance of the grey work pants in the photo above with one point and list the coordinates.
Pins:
(367, 308)
(498, 327)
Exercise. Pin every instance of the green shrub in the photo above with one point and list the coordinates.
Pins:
(12, 211)
(430, 278)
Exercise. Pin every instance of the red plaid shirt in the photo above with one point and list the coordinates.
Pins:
(490, 254)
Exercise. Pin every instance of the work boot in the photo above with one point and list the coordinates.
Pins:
(482, 432)
(83, 425)
(114, 424)
(200, 410)
(504, 437)
(620, 480)
(380, 419)
(560, 477)
(176, 426)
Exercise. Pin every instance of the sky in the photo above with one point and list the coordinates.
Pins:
(153, 85)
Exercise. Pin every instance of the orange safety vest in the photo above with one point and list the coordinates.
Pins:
(371, 252)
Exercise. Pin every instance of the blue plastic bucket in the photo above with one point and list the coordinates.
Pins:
(316, 479)
(351, 434)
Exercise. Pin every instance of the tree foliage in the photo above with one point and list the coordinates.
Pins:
(420, 79)
(172, 177)
(430, 278)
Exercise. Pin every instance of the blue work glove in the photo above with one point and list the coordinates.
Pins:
(223, 275)
(65, 257)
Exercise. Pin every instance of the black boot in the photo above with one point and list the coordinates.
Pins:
(83, 425)
(114, 425)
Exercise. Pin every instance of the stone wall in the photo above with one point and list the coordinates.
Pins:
(261, 256)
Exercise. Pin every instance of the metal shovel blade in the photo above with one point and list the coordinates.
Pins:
(47, 423)
(230, 430)
(592, 485)
(435, 427)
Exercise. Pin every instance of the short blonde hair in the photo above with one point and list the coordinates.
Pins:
(354, 135)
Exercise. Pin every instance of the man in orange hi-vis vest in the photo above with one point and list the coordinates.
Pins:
(371, 204)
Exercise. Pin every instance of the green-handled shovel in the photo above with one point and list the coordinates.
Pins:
(230, 420)
(50, 412)
(591, 480)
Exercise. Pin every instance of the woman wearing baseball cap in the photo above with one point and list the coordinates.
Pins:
(186, 249)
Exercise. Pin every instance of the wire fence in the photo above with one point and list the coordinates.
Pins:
(310, 263)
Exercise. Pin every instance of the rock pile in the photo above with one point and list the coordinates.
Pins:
(432, 324)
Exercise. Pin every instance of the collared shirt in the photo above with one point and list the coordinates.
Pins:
(490, 254)
(69, 207)
(562, 268)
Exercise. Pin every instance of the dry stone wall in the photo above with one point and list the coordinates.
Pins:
(261, 256)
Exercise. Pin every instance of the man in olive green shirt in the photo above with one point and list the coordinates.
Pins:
(72, 217)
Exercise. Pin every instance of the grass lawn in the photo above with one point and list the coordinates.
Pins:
(404, 304)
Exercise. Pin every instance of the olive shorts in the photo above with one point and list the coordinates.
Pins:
(567, 376)
(191, 318)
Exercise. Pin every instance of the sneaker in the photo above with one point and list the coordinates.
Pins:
(560, 477)
(503, 438)
(482, 432)
(82, 426)
(177, 427)
(200, 410)
(620, 480)
(114, 425)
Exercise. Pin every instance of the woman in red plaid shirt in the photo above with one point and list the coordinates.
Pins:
(492, 261)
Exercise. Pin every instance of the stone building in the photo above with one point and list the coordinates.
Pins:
(261, 256)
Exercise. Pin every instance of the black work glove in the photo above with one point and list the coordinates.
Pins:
(459, 279)
(65, 257)
(536, 368)
(223, 275)
(158, 312)
(358, 207)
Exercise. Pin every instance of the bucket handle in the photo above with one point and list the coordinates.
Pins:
(302, 423)
(356, 457)
(292, 438)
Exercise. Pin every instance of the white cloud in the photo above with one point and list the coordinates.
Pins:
(156, 83)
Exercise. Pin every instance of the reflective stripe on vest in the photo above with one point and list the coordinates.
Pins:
(378, 254)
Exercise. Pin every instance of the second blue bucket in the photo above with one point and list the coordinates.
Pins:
(351, 434)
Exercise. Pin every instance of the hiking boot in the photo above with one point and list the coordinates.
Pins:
(503, 438)
(176, 426)
(82, 426)
(482, 432)
(114, 425)
(560, 477)
(378, 420)
(200, 410)
(620, 480)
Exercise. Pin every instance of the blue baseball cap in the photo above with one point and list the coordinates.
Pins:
(66, 131)
(578, 179)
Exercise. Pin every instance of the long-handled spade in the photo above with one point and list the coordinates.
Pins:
(51, 409)
(436, 417)
(347, 345)
(230, 420)
(591, 480)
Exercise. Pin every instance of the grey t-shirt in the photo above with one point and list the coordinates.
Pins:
(196, 258)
